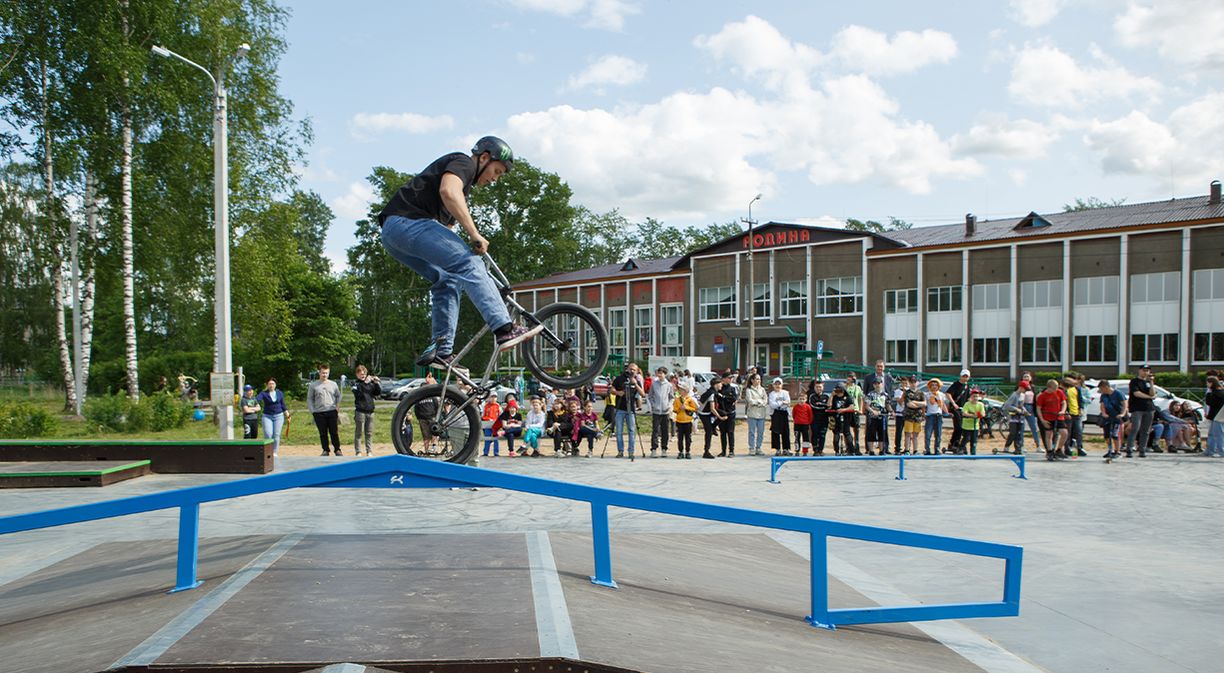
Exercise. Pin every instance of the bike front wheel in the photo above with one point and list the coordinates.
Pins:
(573, 348)
(417, 429)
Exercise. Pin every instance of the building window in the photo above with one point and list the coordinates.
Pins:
(993, 297)
(839, 296)
(1096, 291)
(1155, 287)
(786, 353)
(901, 351)
(760, 300)
(1209, 347)
(794, 298)
(1209, 284)
(589, 344)
(643, 330)
(618, 332)
(901, 301)
(1154, 347)
(671, 318)
(1041, 294)
(946, 298)
(992, 350)
(1041, 349)
(1095, 348)
(716, 303)
(943, 351)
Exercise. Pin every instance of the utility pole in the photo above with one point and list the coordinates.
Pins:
(751, 284)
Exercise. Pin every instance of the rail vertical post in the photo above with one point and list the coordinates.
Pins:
(603, 545)
(901, 468)
(774, 464)
(1019, 461)
(188, 548)
(820, 581)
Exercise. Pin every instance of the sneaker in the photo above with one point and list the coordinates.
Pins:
(652, 454)
(448, 361)
(337, 452)
(325, 453)
(588, 454)
(516, 335)
(368, 453)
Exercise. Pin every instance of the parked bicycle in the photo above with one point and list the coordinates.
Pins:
(442, 421)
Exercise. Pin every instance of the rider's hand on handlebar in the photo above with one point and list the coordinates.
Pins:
(480, 245)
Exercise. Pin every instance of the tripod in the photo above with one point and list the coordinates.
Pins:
(630, 397)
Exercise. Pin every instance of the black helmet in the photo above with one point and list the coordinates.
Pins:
(497, 148)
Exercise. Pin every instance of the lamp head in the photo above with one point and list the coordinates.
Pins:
(159, 50)
(242, 51)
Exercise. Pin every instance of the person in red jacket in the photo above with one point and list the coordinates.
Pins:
(802, 414)
(1052, 414)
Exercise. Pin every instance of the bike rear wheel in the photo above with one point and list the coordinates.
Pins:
(573, 348)
(417, 430)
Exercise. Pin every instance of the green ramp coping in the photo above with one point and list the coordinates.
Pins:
(74, 473)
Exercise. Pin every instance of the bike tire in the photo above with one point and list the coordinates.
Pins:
(574, 364)
(406, 432)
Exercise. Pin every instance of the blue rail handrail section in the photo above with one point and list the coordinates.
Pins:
(408, 472)
(776, 462)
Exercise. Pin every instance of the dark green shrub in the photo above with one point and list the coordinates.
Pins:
(166, 411)
(108, 412)
(1176, 380)
(19, 420)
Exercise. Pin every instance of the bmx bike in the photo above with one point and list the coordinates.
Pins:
(442, 421)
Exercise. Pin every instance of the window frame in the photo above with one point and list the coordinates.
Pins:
(855, 298)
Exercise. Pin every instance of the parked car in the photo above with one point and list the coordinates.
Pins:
(401, 390)
(701, 381)
(1162, 400)
(601, 385)
(388, 385)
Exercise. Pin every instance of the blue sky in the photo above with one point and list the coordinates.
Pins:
(685, 110)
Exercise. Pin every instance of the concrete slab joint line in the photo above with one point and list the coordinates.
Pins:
(981, 651)
(553, 625)
(156, 645)
(344, 668)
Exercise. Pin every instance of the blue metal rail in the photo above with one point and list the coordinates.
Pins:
(407, 472)
(776, 462)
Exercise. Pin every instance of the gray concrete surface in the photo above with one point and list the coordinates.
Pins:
(1122, 561)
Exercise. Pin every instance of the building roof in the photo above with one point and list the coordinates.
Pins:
(889, 240)
(1018, 228)
(630, 268)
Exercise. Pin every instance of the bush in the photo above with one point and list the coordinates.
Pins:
(19, 420)
(1177, 380)
(117, 413)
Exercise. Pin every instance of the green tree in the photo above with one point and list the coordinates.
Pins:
(1091, 203)
(893, 224)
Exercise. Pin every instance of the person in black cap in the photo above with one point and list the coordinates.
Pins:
(1141, 409)
(250, 413)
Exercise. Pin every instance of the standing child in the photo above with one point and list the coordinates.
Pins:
(818, 399)
(779, 424)
(876, 404)
(972, 413)
(842, 409)
(803, 425)
(685, 407)
(490, 422)
(1113, 410)
(898, 405)
(936, 407)
(915, 408)
(1016, 411)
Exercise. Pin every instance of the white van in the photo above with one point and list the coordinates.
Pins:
(1162, 400)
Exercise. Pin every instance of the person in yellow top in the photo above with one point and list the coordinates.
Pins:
(972, 414)
(1073, 387)
(685, 408)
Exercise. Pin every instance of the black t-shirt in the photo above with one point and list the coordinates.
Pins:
(959, 393)
(419, 198)
(626, 384)
(819, 403)
(1140, 403)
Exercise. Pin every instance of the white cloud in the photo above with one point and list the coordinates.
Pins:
(1045, 75)
(1183, 31)
(867, 51)
(753, 46)
(365, 125)
(1189, 144)
(1019, 139)
(354, 204)
(609, 70)
(1034, 13)
(1018, 176)
(821, 221)
(605, 14)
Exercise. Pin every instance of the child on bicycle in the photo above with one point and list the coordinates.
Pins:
(418, 231)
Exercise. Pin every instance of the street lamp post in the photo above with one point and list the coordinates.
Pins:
(222, 384)
(751, 285)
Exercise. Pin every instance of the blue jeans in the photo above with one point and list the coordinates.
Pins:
(442, 258)
(934, 426)
(624, 420)
(756, 433)
(1215, 439)
(272, 429)
(1031, 422)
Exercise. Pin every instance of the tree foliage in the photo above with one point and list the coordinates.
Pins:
(1091, 203)
(893, 224)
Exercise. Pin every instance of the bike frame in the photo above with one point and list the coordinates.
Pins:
(481, 392)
